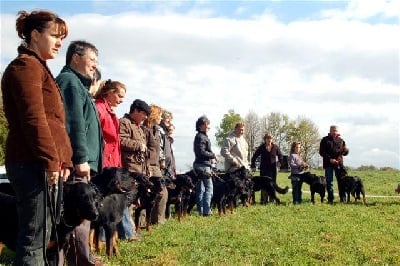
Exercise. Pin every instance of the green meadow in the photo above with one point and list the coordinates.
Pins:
(285, 234)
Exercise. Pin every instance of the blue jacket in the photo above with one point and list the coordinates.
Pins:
(82, 124)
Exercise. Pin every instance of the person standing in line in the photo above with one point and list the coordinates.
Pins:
(297, 167)
(84, 131)
(204, 158)
(166, 146)
(133, 141)
(269, 153)
(170, 164)
(38, 149)
(332, 148)
(109, 95)
(133, 138)
(156, 160)
(235, 149)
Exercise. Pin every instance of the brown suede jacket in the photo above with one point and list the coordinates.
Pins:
(35, 113)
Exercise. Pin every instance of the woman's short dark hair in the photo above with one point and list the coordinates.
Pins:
(201, 121)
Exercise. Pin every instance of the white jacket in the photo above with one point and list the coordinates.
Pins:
(235, 151)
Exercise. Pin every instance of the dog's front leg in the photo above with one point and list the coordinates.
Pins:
(115, 244)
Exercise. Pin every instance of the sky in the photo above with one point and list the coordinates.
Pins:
(333, 62)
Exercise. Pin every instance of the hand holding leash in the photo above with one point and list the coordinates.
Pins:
(52, 178)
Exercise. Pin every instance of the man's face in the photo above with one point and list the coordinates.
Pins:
(138, 116)
(239, 131)
(85, 64)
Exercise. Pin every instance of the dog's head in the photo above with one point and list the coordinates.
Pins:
(79, 203)
(342, 172)
(114, 180)
(159, 184)
(184, 181)
(243, 173)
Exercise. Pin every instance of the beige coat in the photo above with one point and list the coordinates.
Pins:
(235, 151)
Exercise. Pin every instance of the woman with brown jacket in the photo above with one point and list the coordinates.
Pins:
(38, 149)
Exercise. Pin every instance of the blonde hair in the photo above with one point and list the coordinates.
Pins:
(240, 124)
(155, 112)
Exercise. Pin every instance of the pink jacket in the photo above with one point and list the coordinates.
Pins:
(110, 127)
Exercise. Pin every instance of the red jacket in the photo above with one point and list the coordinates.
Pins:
(110, 127)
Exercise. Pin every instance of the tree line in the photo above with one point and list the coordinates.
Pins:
(284, 130)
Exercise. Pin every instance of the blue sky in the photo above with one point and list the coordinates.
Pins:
(334, 62)
(286, 10)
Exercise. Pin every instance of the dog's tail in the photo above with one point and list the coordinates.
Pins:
(281, 190)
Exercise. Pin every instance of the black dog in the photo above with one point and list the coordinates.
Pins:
(266, 183)
(351, 185)
(78, 204)
(117, 188)
(146, 197)
(8, 227)
(179, 195)
(227, 188)
(317, 184)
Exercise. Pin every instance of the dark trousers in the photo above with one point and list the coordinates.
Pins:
(78, 252)
(29, 182)
(296, 189)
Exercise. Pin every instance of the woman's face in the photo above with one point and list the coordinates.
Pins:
(47, 43)
(268, 139)
(116, 98)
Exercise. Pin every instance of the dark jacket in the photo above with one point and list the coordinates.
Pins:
(35, 113)
(82, 120)
(202, 149)
(268, 159)
(332, 148)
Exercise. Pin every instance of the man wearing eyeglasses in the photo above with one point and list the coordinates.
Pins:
(84, 131)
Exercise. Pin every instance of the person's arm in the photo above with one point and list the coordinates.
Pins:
(254, 158)
(226, 151)
(322, 149)
(128, 143)
(71, 90)
(280, 156)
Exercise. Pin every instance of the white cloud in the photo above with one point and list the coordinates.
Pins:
(333, 70)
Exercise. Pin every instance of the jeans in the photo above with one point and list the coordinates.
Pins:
(29, 182)
(125, 228)
(329, 183)
(204, 190)
(296, 189)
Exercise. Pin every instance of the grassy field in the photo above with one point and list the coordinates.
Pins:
(286, 234)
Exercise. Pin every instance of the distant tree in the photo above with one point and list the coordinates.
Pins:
(226, 125)
(252, 132)
(278, 125)
(305, 131)
(3, 130)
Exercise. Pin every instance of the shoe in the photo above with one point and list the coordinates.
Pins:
(135, 238)
(97, 260)
(330, 202)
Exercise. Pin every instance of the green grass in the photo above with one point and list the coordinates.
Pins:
(286, 234)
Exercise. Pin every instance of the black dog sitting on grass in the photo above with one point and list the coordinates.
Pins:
(351, 185)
